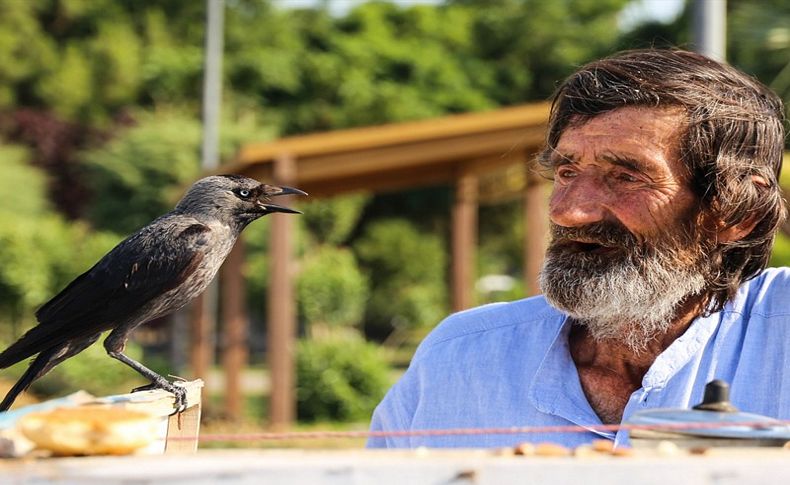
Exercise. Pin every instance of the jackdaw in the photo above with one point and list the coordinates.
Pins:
(152, 273)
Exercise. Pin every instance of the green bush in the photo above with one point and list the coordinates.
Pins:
(23, 188)
(40, 252)
(26, 268)
(341, 379)
(407, 273)
(331, 289)
(256, 265)
(256, 262)
(38, 257)
(67, 87)
(330, 221)
(781, 252)
(325, 221)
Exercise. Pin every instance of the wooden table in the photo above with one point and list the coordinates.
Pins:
(719, 466)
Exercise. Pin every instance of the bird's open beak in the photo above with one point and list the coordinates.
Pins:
(269, 191)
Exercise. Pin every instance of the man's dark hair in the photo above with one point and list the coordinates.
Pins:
(732, 143)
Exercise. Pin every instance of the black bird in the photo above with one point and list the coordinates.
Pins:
(152, 273)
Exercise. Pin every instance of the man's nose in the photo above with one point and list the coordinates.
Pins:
(579, 201)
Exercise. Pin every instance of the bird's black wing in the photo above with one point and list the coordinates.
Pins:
(147, 264)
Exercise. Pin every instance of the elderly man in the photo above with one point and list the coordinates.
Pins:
(663, 215)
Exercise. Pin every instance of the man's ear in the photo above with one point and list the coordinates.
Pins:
(738, 231)
(743, 228)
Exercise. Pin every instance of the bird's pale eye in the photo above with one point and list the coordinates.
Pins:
(244, 193)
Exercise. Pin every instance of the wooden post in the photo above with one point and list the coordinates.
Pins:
(179, 347)
(235, 349)
(201, 332)
(535, 228)
(183, 429)
(464, 240)
(281, 320)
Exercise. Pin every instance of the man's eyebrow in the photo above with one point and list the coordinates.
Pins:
(556, 158)
(627, 162)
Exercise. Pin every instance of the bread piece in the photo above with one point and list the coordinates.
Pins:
(90, 430)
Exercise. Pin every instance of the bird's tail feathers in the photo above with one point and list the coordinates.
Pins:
(37, 339)
(35, 369)
(19, 350)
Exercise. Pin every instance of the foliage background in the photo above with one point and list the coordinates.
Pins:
(100, 132)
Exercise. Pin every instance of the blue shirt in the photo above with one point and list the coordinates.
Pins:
(508, 365)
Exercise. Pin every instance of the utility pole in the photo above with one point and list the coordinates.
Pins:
(212, 84)
(710, 28)
(204, 318)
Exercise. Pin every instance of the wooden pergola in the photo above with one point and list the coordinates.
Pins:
(458, 150)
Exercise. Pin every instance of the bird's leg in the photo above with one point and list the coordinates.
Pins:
(115, 343)
(157, 381)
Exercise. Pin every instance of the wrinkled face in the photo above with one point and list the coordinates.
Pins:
(625, 251)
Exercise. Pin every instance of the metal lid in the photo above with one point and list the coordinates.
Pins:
(690, 422)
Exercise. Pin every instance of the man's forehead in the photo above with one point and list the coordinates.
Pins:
(642, 117)
(642, 135)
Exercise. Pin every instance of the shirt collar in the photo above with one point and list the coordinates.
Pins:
(555, 388)
(680, 352)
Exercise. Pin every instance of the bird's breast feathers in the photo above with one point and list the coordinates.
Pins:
(211, 244)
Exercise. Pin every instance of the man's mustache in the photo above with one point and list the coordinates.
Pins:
(604, 233)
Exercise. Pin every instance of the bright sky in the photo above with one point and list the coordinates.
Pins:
(638, 11)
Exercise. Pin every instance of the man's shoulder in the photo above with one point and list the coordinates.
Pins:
(495, 318)
(766, 294)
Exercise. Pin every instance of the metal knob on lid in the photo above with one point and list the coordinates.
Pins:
(716, 398)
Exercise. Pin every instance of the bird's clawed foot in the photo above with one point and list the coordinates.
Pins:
(179, 392)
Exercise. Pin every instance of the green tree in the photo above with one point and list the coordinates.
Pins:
(25, 50)
(339, 379)
(531, 44)
(16, 173)
(68, 89)
(331, 220)
(39, 251)
(759, 41)
(117, 53)
(141, 173)
(407, 273)
(332, 291)
(138, 176)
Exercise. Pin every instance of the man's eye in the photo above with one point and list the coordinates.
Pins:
(564, 173)
(627, 177)
(244, 193)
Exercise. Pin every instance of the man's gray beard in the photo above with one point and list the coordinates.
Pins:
(629, 301)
